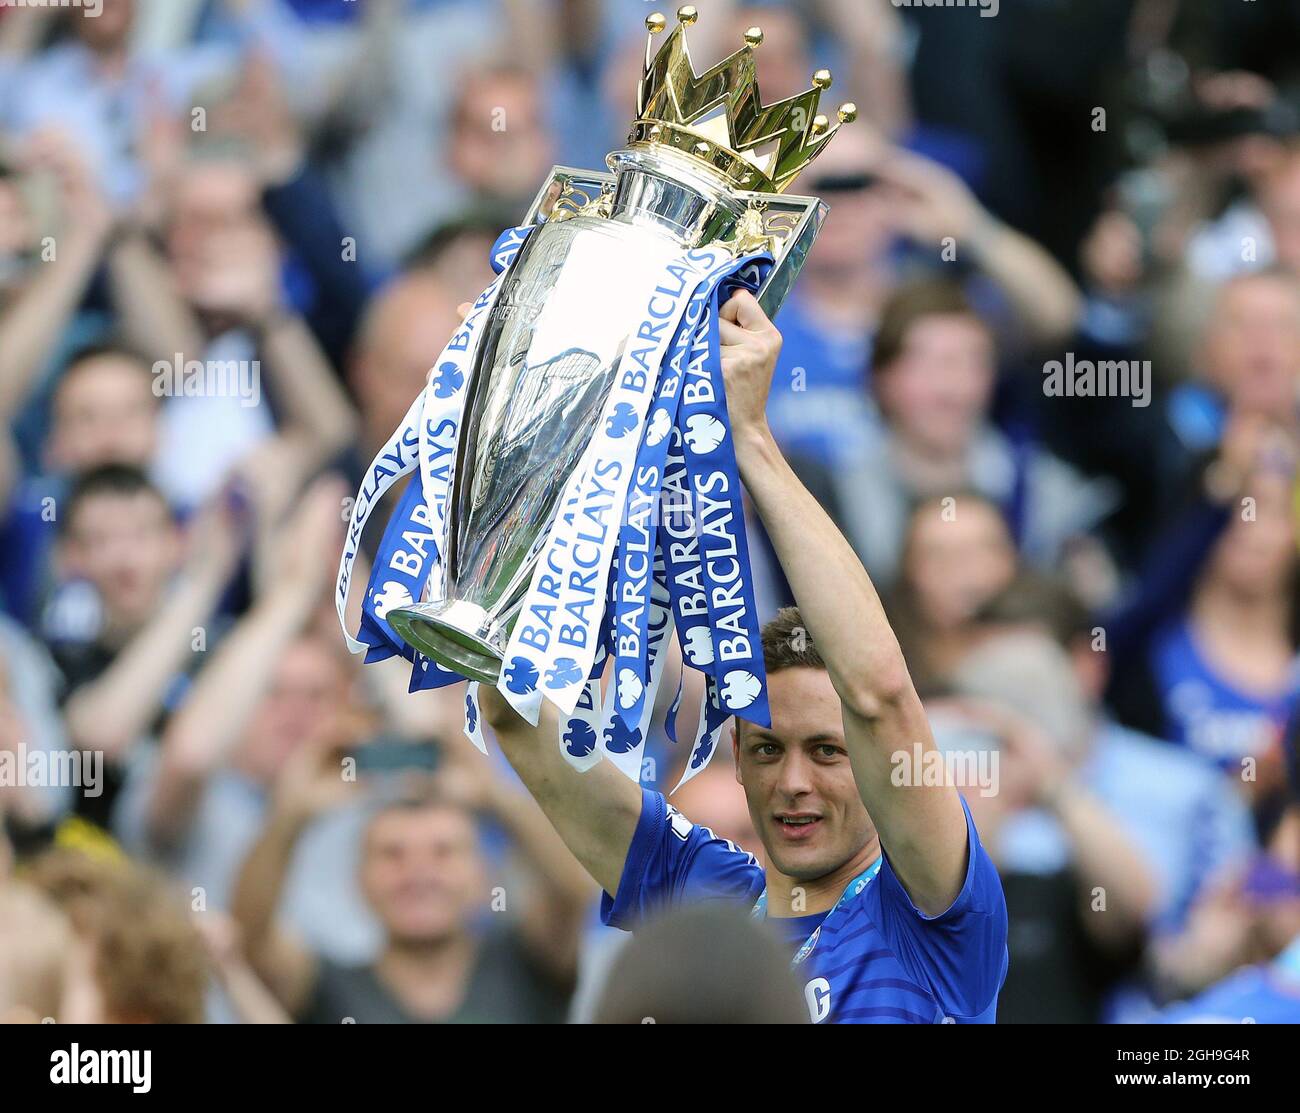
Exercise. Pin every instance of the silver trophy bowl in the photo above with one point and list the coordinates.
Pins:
(547, 361)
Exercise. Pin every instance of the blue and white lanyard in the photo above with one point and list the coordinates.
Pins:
(851, 890)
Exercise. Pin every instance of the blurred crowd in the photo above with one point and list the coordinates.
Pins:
(233, 237)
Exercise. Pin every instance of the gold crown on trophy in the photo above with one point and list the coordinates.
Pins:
(717, 117)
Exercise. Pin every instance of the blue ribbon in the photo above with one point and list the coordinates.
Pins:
(681, 538)
(397, 578)
(702, 527)
(852, 889)
(720, 519)
(408, 550)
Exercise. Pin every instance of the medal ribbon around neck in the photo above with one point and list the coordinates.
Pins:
(851, 890)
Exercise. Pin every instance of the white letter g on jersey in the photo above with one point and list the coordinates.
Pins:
(818, 995)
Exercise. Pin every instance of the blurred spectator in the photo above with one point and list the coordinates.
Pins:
(103, 412)
(391, 164)
(1224, 364)
(879, 196)
(1080, 891)
(104, 409)
(240, 987)
(324, 269)
(819, 404)
(139, 959)
(1191, 824)
(35, 941)
(498, 148)
(933, 377)
(424, 876)
(1280, 203)
(958, 554)
(1267, 993)
(1249, 919)
(196, 802)
(123, 628)
(457, 253)
(227, 268)
(405, 328)
(1248, 362)
(1015, 95)
(94, 86)
(30, 805)
(1218, 675)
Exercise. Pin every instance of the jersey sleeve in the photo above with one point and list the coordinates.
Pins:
(960, 954)
(673, 861)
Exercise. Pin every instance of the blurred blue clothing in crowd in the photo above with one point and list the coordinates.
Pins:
(26, 528)
(324, 11)
(62, 88)
(1265, 994)
(26, 546)
(1205, 712)
(329, 289)
(1197, 415)
(819, 405)
(1185, 818)
(1189, 822)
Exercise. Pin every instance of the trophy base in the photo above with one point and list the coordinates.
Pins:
(460, 636)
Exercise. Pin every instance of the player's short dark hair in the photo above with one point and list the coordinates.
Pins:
(787, 643)
(108, 479)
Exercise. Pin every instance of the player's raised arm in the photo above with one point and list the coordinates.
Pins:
(595, 812)
(922, 829)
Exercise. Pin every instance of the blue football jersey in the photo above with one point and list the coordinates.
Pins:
(877, 960)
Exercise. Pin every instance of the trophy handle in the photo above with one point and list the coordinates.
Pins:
(569, 188)
(789, 223)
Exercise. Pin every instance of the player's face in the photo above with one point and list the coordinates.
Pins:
(798, 781)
